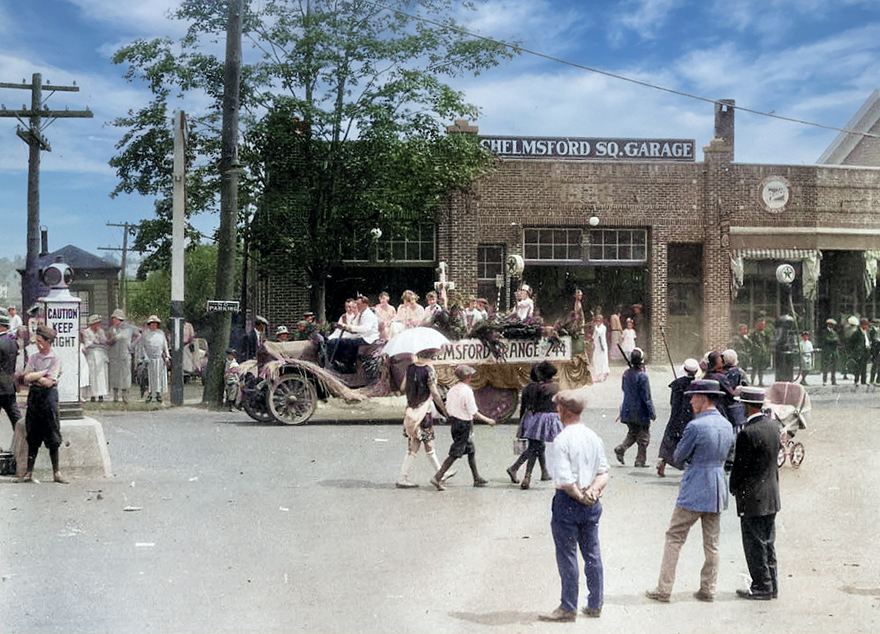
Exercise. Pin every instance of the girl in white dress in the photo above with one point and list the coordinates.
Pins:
(600, 368)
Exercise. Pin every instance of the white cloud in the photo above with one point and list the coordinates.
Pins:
(645, 17)
(142, 18)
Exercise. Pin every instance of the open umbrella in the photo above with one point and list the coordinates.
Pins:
(414, 340)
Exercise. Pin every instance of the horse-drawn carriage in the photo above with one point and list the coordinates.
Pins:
(287, 379)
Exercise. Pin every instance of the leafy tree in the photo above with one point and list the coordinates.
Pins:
(153, 294)
(366, 83)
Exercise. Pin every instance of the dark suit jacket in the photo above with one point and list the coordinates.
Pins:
(754, 478)
(637, 406)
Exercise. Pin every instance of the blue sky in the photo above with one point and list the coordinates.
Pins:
(815, 60)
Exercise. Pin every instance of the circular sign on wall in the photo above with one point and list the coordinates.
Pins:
(785, 274)
(775, 193)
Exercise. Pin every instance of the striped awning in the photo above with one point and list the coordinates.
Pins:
(775, 254)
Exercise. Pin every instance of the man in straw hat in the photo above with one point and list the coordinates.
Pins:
(41, 374)
(121, 339)
(754, 481)
(703, 450)
(576, 460)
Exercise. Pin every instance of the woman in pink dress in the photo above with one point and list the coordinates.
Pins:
(410, 313)
(386, 314)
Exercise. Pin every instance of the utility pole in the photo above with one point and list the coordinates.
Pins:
(177, 256)
(123, 280)
(227, 238)
(32, 134)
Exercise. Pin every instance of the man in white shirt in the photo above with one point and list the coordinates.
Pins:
(363, 330)
(576, 459)
(462, 409)
(14, 319)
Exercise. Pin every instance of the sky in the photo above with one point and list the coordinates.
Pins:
(814, 60)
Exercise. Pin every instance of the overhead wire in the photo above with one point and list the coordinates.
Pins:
(638, 82)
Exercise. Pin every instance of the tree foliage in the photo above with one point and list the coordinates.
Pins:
(152, 296)
(343, 103)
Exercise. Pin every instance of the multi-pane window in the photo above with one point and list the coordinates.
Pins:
(618, 245)
(415, 243)
(490, 262)
(552, 244)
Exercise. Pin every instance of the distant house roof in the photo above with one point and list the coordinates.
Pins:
(856, 149)
(77, 259)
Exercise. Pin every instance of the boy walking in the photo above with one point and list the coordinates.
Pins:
(462, 409)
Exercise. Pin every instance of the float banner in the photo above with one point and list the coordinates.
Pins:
(474, 351)
(602, 149)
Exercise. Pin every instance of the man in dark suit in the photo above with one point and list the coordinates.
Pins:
(754, 481)
(252, 341)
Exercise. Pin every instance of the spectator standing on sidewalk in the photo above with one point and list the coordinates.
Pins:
(754, 481)
(577, 462)
(703, 450)
(42, 421)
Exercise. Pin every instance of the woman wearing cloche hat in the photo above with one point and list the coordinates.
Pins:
(153, 350)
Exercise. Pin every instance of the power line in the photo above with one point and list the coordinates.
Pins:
(638, 82)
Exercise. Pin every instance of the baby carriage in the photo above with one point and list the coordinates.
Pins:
(790, 405)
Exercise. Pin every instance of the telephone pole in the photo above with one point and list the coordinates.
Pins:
(123, 280)
(31, 132)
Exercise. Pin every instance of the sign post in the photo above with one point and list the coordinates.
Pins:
(61, 311)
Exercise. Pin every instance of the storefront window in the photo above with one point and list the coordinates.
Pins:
(490, 265)
(415, 243)
(618, 245)
(552, 244)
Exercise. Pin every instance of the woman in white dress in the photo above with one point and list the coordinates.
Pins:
(600, 368)
(94, 341)
(154, 350)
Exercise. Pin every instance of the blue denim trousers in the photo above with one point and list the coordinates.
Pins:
(574, 525)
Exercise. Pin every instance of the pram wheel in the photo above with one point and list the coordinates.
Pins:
(797, 454)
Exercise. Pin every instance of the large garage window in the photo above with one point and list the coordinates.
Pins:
(414, 243)
(552, 244)
(618, 245)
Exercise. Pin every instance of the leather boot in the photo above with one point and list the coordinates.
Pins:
(542, 462)
(527, 479)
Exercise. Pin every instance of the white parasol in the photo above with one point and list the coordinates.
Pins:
(414, 340)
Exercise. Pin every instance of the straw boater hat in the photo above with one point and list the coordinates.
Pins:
(118, 314)
(154, 319)
(751, 394)
(261, 320)
(94, 319)
(691, 366)
(831, 321)
(705, 386)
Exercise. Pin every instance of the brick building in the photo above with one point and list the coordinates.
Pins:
(696, 243)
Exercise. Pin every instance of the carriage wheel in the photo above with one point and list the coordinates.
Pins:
(255, 405)
(293, 399)
(780, 457)
(797, 455)
(498, 403)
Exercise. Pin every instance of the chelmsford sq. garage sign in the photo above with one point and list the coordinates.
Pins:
(591, 149)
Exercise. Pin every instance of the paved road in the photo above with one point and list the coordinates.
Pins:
(213, 523)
